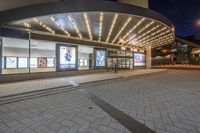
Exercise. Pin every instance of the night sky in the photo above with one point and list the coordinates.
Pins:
(182, 14)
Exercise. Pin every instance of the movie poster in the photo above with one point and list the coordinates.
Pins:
(42, 62)
(139, 59)
(11, 62)
(67, 57)
(22, 62)
(100, 58)
(33, 63)
(50, 62)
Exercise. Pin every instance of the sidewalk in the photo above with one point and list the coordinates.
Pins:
(41, 84)
(187, 67)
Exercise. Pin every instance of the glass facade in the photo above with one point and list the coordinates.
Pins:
(35, 56)
(15, 56)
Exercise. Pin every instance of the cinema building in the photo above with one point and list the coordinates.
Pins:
(48, 38)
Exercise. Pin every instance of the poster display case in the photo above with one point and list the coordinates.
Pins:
(11, 62)
(33, 63)
(22, 62)
(50, 62)
(42, 62)
(100, 58)
(139, 59)
(66, 57)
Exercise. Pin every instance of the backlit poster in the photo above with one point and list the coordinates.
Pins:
(85, 62)
(81, 63)
(67, 57)
(42, 62)
(22, 62)
(11, 62)
(139, 59)
(33, 63)
(50, 62)
(100, 58)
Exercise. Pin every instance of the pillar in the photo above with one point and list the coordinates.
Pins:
(141, 3)
(148, 57)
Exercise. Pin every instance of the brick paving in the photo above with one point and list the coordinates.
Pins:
(166, 102)
(60, 113)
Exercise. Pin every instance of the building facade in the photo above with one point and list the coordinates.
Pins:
(57, 38)
(181, 51)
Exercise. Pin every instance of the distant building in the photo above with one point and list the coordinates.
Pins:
(184, 50)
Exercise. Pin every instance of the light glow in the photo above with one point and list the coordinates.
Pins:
(112, 26)
(87, 25)
(100, 25)
(75, 27)
(53, 19)
(123, 27)
(43, 25)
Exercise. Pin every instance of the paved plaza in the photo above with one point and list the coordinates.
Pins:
(166, 102)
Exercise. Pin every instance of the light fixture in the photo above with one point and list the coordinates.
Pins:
(100, 25)
(134, 27)
(53, 19)
(111, 28)
(26, 24)
(43, 25)
(87, 25)
(75, 27)
(123, 27)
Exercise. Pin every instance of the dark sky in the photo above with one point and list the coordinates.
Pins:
(182, 14)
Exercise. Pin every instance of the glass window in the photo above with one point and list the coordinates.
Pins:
(15, 54)
(42, 56)
(84, 53)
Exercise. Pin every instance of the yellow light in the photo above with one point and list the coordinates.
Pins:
(43, 25)
(27, 25)
(58, 25)
(100, 25)
(112, 26)
(87, 25)
(75, 27)
(123, 27)
(134, 27)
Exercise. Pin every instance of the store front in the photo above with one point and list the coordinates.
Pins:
(18, 57)
(83, 39)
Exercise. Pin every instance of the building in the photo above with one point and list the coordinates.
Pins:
(184, 50)
(48, 38)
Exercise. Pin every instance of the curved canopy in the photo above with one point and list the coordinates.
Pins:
(95, 21)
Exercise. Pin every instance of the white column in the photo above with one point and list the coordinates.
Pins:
(148, 57)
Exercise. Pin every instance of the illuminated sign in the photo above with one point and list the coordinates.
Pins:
(33, 63)
(22, 62)
(11, 62)
(50, 62)
(139, 59)
(66, 57)
(100, 58)
(42, 62)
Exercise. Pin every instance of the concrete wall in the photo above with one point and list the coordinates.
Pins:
(141, 3)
